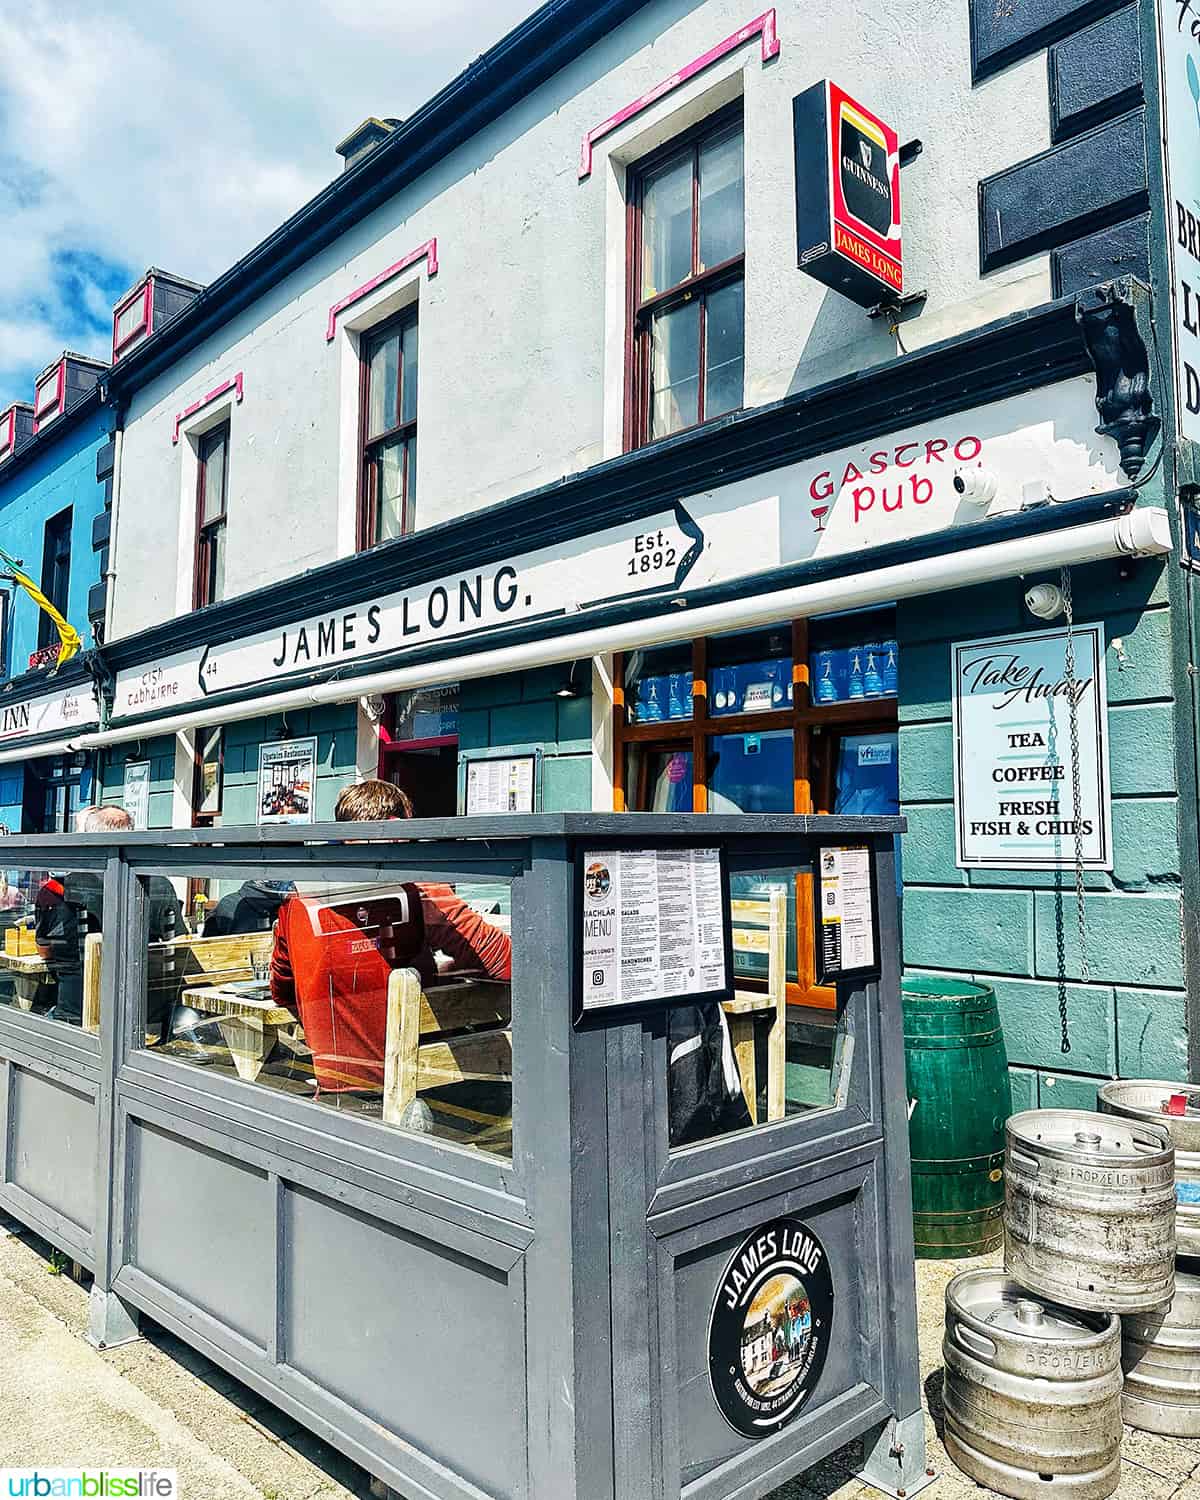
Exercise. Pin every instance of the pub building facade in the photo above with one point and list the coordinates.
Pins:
(549, 460)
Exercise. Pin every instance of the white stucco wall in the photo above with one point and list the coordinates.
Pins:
(521, 331)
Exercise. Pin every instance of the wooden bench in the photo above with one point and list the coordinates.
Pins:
(183, 961)
(427, 1046)
(760, 927)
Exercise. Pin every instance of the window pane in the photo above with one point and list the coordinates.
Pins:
(667, 226)
(675, 369)
(208, 772)
(216, 552)
(658, 779)
(214, 479)
(50, 925)
(410, 497)
(751, 773)
(726, 314)
(868, 775)
(750, 673)
(729, 1067)
(408, 410)
(131, 317)
(389, 491)
(326, 989)
(722, 200)
(658, 684)
(383, 376)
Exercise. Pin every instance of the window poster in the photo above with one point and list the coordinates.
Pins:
(135, 797)
(1014, 787)
(503, 785)
(846, 932)
(654, 926)
(287, 773)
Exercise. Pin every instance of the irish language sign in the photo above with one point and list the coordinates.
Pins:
(1014, 795)
(653, 926)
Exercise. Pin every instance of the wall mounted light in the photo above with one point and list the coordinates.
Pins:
(568, 689)
(1045, 600)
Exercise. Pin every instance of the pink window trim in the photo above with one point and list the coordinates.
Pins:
(8, 440)
(53, 410)
(234, 385)
(428, 251)
(147, 295)
(763, 26)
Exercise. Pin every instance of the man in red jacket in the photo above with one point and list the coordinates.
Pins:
(333, 958)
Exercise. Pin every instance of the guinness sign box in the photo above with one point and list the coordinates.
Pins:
(847, 196)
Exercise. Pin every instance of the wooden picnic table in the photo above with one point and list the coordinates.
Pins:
(248, 1018)
(30, 973)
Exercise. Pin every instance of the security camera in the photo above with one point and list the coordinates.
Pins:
(1045, 600)
(976, 486)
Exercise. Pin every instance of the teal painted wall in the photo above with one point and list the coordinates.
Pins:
(520, 712)
(334, 727)
(1006, 928)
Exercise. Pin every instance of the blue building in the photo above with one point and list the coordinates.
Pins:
(56, 468)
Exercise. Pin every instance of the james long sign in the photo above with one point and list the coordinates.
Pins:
(696, 546)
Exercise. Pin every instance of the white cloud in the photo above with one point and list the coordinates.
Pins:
(180, 134)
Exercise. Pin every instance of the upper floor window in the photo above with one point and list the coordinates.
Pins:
(56, 575)
(687, 282)
(212, 484)
(388, 490)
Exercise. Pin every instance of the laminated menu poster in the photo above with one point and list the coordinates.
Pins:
(655, 927)
(846, 938)
(501, 786)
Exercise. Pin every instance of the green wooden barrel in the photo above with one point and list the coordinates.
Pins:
(959, 1098)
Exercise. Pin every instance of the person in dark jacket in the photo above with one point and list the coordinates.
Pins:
(253, 907)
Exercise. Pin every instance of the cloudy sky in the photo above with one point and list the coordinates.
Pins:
(179, 133)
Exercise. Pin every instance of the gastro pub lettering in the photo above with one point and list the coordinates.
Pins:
(867, 483)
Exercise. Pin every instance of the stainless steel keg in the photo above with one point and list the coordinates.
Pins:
(1089, 1209)
(1142, 1099)
(1161, 1355)
(1032, 1391)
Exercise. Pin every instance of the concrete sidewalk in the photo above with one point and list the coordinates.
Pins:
(156, 1403)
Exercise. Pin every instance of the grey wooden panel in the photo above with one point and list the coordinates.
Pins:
(421, 1339)
(203, 1225)
(51, 1144)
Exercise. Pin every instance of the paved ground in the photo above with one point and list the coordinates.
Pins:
(156, 1403)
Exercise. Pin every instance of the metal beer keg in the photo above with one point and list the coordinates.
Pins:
(1161, 1355)
(1032, 1391)
(1142, 1099)
(1089, 1209)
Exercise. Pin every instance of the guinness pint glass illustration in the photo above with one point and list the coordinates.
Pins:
(847, 196)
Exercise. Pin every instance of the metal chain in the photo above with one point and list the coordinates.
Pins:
(1076, 807)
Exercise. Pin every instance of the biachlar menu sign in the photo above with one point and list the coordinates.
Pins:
(847, 196)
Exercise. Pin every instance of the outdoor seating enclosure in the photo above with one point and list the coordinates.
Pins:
(489, 1236)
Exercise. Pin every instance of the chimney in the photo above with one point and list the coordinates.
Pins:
(363, 139)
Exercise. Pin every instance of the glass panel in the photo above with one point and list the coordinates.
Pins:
(750, 673)
(50, 925)
(46, 395)
(722, 1073)
(674, 369)
(131, 318)
(216, 554)
(722, 200)
(408, 408)
(389, 492)
(383, 376)
(751, 773)
(667, 225)
(324, 989)
(854, 656)
(410, 497)
(209, 744)
(427, 713)
(214, 480)
(658, 778)
(725, 311)
(867, 778)
(658, 684)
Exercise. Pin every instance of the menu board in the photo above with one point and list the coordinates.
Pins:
(136, 793)
(846, 936)
(1014, 787)
(654, 927)
(504, 785)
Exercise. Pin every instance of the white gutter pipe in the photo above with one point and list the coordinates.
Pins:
(1138, 533)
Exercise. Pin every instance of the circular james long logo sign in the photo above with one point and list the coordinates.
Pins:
(770, 1327)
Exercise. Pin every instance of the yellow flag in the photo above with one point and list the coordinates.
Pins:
(67, 634)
